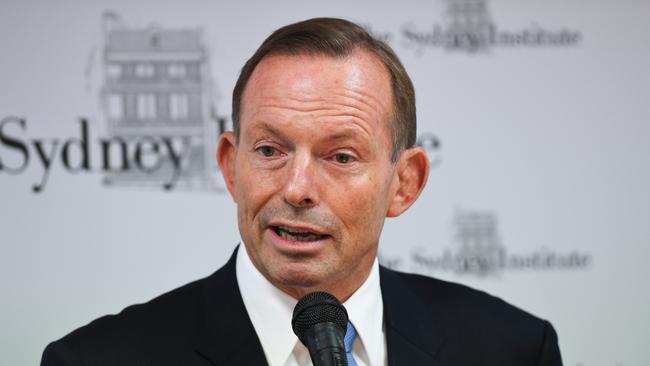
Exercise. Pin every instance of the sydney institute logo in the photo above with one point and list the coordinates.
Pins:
(469, 27)
(477, 249)
(159, 127)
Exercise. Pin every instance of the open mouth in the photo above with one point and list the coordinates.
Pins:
(297, 235)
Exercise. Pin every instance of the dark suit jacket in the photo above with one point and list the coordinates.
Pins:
(428, 322)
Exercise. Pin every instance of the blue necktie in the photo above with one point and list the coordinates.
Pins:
(350, 336)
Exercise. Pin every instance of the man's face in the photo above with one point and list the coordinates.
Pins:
(311, 173)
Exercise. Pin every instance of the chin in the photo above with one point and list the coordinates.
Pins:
(300, 278)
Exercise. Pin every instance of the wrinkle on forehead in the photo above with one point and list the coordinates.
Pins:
(357, 85)
(349, 109)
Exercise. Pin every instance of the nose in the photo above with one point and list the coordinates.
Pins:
(300, 190)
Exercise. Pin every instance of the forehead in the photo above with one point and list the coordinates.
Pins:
(357, 86)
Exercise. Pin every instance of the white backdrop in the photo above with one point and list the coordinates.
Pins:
(539, 193)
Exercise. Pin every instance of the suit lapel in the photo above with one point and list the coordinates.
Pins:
(226, 335)
(414, 335)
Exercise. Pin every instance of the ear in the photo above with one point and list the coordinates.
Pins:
(412, 172)
(226, 157)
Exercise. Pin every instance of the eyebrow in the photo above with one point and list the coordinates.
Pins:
(345, 135)
(268, 128)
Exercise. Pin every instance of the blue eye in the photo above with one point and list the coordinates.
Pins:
(267, 151)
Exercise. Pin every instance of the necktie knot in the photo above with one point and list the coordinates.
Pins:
(350, 336)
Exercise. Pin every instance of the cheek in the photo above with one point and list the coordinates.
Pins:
(361, 203)
(254, 188)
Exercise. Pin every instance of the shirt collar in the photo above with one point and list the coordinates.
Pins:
(365, 311)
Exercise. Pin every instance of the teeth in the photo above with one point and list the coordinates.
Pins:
(291, 237)
(297, 236)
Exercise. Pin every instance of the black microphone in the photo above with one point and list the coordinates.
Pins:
(320, 321)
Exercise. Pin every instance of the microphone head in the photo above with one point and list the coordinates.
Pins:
(315, 308)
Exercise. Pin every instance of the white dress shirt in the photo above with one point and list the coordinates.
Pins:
(270, 311)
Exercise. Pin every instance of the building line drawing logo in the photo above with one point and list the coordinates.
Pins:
(478, 241)
(157, 85)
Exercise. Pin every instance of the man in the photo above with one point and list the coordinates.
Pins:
(321, 153)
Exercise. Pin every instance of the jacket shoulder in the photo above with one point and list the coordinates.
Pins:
(473, 319)
(463, 300)
(128, 337)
